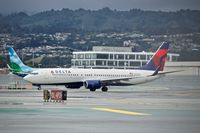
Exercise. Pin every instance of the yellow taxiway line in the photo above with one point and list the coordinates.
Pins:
(120, 111)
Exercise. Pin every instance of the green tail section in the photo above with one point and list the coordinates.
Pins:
(15, 64)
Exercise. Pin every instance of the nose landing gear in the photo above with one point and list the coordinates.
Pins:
(39, 87)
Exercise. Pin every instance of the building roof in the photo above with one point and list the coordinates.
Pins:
(114, 52)
(112, 49)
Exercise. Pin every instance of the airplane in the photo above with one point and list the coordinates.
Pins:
(92, 79)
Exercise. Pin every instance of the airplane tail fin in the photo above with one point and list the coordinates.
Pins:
(15, 64)
(157, 62)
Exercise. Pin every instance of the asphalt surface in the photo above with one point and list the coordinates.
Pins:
(164, 106)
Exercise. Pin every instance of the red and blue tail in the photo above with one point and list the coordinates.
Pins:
(157, 62)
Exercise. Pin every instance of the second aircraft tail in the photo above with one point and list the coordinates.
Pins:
(15, 64)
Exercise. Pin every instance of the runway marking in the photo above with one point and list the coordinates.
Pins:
(120, 111)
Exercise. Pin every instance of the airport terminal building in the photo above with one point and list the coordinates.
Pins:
(113, 57)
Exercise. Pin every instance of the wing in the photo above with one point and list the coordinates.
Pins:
(116, 81)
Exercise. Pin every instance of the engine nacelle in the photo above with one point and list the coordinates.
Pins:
(93, 84)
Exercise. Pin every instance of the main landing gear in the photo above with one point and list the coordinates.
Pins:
(92, 89)
(104, 89)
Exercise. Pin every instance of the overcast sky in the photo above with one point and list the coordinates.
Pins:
(30, 6)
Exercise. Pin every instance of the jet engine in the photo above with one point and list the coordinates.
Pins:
(93, 84)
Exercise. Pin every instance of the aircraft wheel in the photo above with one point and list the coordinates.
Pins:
(104, 89)
(39, 88)
(92, 89)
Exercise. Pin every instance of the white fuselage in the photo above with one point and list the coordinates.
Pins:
(63, 75)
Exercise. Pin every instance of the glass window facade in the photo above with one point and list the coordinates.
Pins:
(131, 56)
(121, 63)
(102, 56)
(121, 56)
(143, 57)
(92, 63)
(80, 56)
(111, 56)
(135, 63)
(113, 59)
(78, 63)
(87, 56)
(110, 63)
